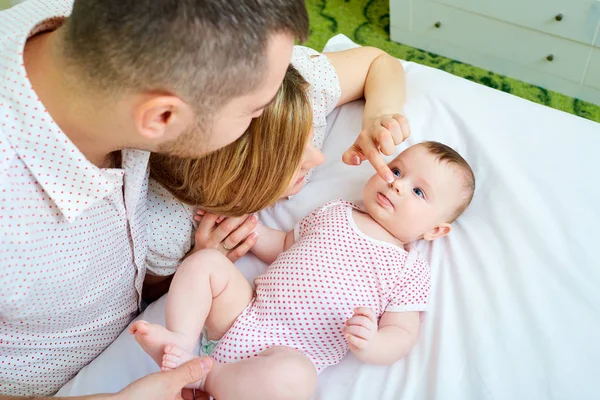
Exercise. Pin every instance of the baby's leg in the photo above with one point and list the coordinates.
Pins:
(278, 373)
(206, 288)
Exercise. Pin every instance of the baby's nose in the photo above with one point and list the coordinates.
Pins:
(395, 186)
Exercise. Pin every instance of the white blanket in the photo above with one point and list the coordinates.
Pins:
(515, 308)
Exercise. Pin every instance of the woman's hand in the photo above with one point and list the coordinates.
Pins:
(380, 134)
(232, 236)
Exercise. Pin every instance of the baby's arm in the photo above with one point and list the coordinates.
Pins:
(271, 243)
(384, 344)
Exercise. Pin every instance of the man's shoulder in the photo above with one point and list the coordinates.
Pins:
(16, 25)
(20, 19)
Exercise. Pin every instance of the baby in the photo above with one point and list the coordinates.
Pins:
(343, 279)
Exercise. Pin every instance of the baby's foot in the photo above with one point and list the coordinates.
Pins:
(173, 357)
(153, 338)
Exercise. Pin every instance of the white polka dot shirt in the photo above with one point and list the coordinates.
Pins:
(73, 237)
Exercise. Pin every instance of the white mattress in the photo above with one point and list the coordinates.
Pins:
(515, 308)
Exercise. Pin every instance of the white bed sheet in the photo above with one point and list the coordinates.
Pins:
(515, 307)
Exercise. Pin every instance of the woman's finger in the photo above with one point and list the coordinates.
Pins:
(194, 394)
(386, 142)
(376, 159)
(203, 233)
(243, 248)
(225, 228)
(404, 125)
(394, 128)
(353, 156)
(241, 232)
(369, 149)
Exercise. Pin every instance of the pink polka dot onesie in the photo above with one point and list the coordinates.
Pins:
(306, 296)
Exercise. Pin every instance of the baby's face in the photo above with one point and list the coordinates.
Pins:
(424, 194)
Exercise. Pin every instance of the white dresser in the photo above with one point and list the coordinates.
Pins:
(551, 43)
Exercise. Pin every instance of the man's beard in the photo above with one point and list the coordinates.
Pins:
(193, 143)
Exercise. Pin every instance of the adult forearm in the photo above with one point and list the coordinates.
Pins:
(385, 88)
(391, 344)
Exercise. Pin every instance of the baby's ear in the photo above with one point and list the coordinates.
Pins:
(438, 232)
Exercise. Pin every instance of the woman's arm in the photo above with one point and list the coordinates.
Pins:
(378, 77)
(371, 73)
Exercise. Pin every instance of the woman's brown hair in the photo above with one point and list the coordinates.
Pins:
(254, 171)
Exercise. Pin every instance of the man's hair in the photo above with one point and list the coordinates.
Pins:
(450, 156)
(254, 171)
(204, 51)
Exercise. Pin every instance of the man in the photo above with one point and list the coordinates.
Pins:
(82, 103)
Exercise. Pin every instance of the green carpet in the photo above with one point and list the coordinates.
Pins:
(367, 23)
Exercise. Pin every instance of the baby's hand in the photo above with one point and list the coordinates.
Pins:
(361, 329)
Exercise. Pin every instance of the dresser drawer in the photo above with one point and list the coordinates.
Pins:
(400, 12)
(592, 77)
(579, 19)
(499, 39)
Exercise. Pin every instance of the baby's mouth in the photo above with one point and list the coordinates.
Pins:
(384, 201)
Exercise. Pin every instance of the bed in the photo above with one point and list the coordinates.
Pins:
(515, 307)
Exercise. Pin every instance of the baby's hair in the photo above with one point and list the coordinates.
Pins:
(447, 154)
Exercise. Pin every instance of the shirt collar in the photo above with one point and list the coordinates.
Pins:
(72, 182)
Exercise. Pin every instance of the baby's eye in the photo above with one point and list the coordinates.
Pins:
(419, 192)
(396, 172)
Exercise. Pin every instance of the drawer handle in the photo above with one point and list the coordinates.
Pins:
(437, 24)
(558, 17)
(550, 57)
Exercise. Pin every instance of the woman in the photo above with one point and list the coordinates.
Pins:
(274, 158)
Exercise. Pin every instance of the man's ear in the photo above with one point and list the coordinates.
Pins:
(161, 118)
(438, 232)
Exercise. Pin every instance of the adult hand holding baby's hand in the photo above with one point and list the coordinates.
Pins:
(380, 134)
(361, 329)
(232, 236)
